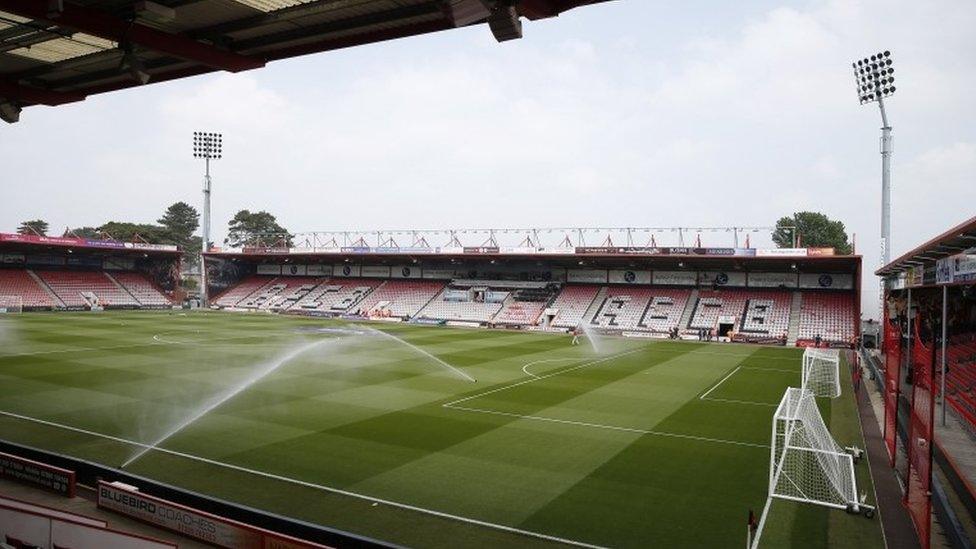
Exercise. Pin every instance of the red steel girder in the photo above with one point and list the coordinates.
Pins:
(110, 27)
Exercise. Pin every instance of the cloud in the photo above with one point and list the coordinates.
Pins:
(627, 113)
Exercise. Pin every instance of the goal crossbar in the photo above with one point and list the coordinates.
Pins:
(821, 372)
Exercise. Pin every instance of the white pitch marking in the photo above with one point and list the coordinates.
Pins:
(609, 427)
(525, 368)
(731, 401)
(453, 405)
(732, 373)
(310, 484)
(537, 378)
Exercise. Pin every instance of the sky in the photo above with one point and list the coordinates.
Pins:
(629, 113)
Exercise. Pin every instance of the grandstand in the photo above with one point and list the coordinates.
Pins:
(827, 315)
(48, 273)
(572, 303)
(400, 298)
(20, 283)
(806, 296)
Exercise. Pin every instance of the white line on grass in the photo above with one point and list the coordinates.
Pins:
(526, 367)
(453, 405)
(306, 484)
(770, 370)
(537, 378)
(610, 427)
(705, 396)
(732, 373)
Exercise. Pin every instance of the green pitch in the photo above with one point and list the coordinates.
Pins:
(645, 443)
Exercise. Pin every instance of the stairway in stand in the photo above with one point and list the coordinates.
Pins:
(795, 309)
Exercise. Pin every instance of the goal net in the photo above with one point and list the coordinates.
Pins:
(821, 372)
(806, 464)
(11, 304)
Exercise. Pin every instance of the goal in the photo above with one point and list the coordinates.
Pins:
(821, 372)
(11, 304)
(805, 463)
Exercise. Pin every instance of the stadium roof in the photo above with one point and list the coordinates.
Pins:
(956, 240)
(59, 51)
(12, 242)
(590, 258)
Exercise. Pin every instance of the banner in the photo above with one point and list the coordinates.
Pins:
(39, 259)
(191, 522)
(294, 270)
(782, 252)
(957, 268)
(439, 274)
(375, 271)
(319, 270)
(34, 239)
(268, 269)
(11, 258)
(772, 280)
(819, 252)
(721, 278)
(518, 250)
(106, 244)
(406, 271)
(675, 278)
(918, 497)
(629, 277)
(587, 275)
(54, 479)
(833, 281)
(346, 271)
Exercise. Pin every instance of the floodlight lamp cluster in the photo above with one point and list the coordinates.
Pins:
(207, 145)
(874, 77)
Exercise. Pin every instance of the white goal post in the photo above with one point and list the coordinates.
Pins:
(11, 304)
(805, 462)
(821, 372)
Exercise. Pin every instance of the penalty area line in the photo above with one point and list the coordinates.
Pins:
(306, 484)
(723, 380)
(705, 396)
(610, 427)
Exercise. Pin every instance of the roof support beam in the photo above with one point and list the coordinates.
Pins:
(17, 92)
(110, 27)
(357, 40)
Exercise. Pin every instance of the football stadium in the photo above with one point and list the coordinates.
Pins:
(591, 386)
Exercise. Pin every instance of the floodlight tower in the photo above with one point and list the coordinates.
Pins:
(206, 145)
(874, 78)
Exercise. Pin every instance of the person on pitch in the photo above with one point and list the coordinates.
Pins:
(576, 335)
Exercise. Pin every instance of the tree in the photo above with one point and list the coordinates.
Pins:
(37, 226)
(126, 231)
(815, 230)
(179, 222)
(83, 232)
(255, 229)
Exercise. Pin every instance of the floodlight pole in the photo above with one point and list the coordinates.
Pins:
(874, 81)
(206, 235)
(206, 145)
(885, 185)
